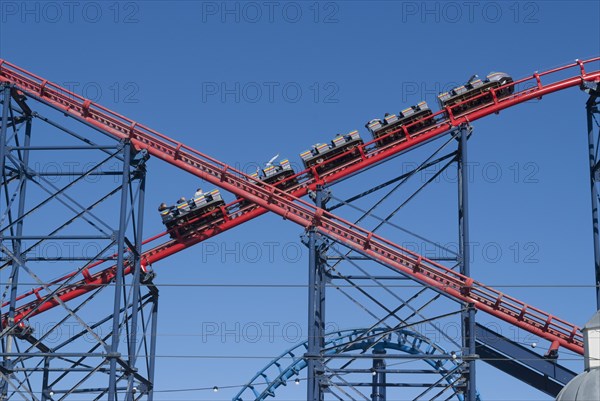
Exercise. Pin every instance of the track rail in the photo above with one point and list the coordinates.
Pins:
(280, 371)
(267, 198)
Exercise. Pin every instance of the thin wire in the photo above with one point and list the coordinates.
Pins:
(286, 285)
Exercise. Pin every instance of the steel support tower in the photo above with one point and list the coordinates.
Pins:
(593, 116)
(468, 314)
(72, 201)
(352, 377)
(316, 305)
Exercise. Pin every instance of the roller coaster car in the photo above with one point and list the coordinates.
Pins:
(393, 122)
(323, 151)
(205, 206)
(274, 174)
(473, 88)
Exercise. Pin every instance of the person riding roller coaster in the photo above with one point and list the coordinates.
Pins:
(187, 215)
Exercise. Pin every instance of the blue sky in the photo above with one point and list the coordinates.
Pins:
(243, 81)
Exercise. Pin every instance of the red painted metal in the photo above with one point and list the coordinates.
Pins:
(289, 207)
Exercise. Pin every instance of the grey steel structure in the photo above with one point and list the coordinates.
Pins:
(474, 342)
(593, 116)
(119, 360)
(72, 199)
(322, 378)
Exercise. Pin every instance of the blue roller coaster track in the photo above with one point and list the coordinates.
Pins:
(279, 373)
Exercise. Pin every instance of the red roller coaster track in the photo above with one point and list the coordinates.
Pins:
(267, 198)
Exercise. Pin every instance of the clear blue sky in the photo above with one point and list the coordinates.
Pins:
(242, 81)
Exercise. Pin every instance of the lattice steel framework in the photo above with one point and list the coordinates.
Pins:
(328, 376)
(38, 366)
(72, 200)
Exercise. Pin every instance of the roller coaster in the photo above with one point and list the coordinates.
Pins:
(279, 192)
(347, 341)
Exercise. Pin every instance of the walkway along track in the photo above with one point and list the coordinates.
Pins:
(267, 198)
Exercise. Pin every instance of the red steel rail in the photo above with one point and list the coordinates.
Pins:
(268, 198)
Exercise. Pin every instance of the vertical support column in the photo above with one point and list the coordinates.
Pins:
(152, 362)
(16, 265)
(467, 316)
(4, 126)
(379, 377)
(120, 234)
(14, 277)
(46, 396)
(7, 342)
(136, 254)
(316, 308)
(592, 108)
